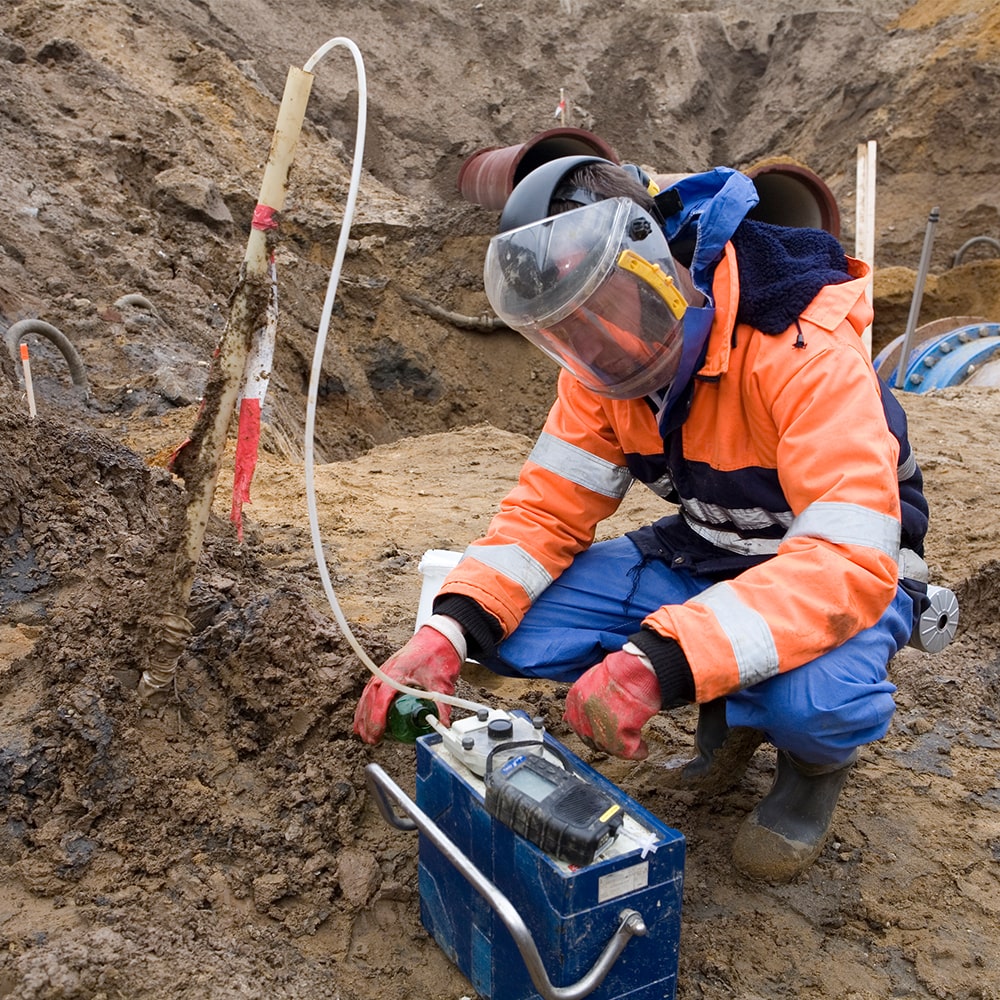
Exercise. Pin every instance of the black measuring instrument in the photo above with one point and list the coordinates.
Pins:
(554, 808)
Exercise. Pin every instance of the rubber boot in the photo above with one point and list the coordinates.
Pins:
(787, 829)
(723, 753)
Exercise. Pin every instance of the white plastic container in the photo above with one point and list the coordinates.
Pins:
(434, 566)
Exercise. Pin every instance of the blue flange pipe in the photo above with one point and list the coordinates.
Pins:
(946, 360)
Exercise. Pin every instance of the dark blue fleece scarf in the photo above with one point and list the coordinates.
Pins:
(782, 270)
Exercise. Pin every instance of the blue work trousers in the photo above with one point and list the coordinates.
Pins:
(819, 711)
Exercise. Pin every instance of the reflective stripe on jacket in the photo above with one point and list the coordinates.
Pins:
(785, 465)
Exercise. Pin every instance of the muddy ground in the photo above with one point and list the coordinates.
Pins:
(221, 843)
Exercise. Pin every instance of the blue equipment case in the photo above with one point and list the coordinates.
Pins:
(571, 912)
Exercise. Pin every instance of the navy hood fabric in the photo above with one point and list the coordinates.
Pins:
(782, 270)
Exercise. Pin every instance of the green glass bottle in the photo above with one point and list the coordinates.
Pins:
(407, 718)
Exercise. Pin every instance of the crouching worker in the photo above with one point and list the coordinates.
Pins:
(719, 361)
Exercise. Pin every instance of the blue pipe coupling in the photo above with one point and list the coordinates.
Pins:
(949, 359)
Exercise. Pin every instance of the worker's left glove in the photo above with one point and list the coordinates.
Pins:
(431, 660)
(608, 706)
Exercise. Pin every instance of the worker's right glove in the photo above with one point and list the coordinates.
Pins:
(431, 660)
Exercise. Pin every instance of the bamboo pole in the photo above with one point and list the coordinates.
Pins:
(199, 460)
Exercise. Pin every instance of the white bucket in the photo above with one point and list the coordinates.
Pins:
(434, 566)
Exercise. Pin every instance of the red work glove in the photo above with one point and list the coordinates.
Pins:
(608, 706)
(429, 661)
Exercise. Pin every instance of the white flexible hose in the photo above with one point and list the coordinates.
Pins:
(314, 376)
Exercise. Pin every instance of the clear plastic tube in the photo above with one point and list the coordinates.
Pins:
(314, 377)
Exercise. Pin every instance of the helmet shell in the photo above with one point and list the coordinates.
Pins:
(532, 195)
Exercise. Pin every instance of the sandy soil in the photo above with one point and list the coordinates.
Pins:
(221, 843)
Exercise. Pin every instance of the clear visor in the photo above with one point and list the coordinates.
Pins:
(596, 290)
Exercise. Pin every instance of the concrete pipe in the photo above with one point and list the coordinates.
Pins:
(984, 376)
(489, 175)
(790, 195)
(793, 195)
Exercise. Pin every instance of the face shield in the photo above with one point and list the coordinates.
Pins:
(596, 290)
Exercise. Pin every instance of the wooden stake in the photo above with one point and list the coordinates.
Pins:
(199, 459)
(864, 229)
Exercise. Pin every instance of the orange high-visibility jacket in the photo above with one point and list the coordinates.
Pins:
(785, 458)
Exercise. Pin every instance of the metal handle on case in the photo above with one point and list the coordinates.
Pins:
(386, 793)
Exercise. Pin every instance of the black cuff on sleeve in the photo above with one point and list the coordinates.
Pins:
(670, 665)
(482, 630)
